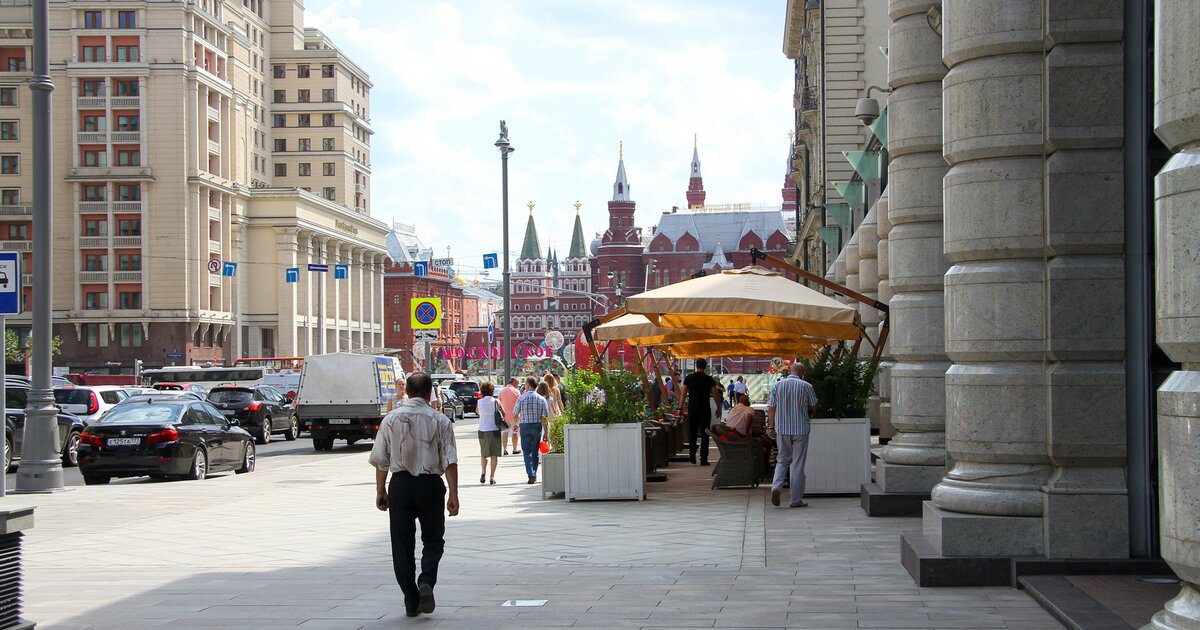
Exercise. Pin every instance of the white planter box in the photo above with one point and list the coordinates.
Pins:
(605, 462)
(839, 456)
(554, 474)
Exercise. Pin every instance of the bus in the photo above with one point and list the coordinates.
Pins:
(206, 377)
(282, 373)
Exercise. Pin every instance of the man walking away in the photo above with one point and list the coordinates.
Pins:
(416, 444)
(508, 399)
(532, 411)
(789, 407)
(699, 390)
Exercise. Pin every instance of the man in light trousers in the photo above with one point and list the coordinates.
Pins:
(789, 408)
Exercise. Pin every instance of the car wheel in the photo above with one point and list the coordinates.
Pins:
(70, 453)
(96, 480)
(8, 454)
(199, 465)
(323, 443)
(264, 436)
(248, 459)
(293, 431)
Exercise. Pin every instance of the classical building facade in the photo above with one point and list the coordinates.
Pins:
(171, 123)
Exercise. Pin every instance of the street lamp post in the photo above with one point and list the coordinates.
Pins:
(617, 286)
(649, 267)
(506, 148)
(41, 468)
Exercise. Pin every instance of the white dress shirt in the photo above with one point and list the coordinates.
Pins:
(415, 439)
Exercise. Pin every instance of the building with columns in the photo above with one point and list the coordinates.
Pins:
(190, 134)
(1036, 243)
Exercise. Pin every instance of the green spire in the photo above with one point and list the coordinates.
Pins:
(578, 249)
(531, 250)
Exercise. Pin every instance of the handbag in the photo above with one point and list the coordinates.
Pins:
(501, 425)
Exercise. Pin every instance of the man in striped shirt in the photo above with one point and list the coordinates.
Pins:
(531, 410)
(789, 407)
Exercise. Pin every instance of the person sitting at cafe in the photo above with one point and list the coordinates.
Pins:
(739, 417)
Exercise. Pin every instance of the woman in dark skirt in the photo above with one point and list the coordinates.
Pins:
(489, 434)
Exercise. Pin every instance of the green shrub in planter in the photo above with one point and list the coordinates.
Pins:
(842, 382)
(613, 398)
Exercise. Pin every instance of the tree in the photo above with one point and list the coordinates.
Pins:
(14, 350)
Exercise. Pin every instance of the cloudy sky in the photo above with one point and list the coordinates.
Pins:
(573, 79)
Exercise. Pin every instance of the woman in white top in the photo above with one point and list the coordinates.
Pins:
(489, 434)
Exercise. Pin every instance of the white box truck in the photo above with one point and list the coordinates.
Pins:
(344, 396)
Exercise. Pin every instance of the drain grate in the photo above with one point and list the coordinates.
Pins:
(572, 556)
(1158, 580)
(606, 525)
(524, 603)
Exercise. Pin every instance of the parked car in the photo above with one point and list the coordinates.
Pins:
(156, 395)
(259, 409)
(186, 387)
(164, 438)
(89, 402)
(25, 381)
(468, 391)
(452, 405)
(69, 428)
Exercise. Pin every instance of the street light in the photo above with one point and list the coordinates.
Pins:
(649, 267)
(506, 148)
(617, 285)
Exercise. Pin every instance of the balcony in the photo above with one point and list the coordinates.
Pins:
(127, 136)
(127, 102)
(90, 277)
(214, 214)
(93, 241)
(360, 188)
(92, 137)
(127, 241)
(26, 279)
(110, 172)
(127, 206)
(214, 246)
(127, 276)
(16, 246)
(16, 209)
(214, 113)
(91, 102)
(214, 147)
(92, 207)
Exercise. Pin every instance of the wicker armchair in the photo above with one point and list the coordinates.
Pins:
(741, 462)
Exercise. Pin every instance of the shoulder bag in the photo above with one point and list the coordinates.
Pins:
(501, 425)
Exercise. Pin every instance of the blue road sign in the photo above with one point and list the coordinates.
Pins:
(491, 261)
(420, 268)
(229, 269)
(320, 268)
(291, 274)
(491, 333)
(174, 354)
(341, 272)
(10, 283)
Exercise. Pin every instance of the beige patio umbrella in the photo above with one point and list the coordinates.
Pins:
(637, 330)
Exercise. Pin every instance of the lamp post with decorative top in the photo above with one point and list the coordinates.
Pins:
(506, 148)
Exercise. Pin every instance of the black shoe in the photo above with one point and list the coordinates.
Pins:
(704, 463)
(775, 498)
(411, 613)
(426, 604)
(532, 480)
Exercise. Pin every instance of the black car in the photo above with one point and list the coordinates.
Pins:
(468, 391)
(69, 428)
(163, 438)
(259, 409)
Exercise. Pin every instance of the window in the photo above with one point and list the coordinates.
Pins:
(8, 130)
(129, 262)
(93, 192)
(128, 53)
(126, 87)
(327, 120)
(280, 96)
(10, 164)
(93, 19)
(305, 144)
(327, 71)
(126, 19)
(94, 300)
(129, 299)
(303, 96)
(327, 95)
(96, 334)
(279, 120)
(281, 170)
(16, 64)
(8, 96)
(128, 122)
(327, 169)
(396, 326)
(279, 72)
(304, 169)
(129, 227)
(129, 192)
(10, 196)
(95, 122)
(94, 157)
(130, 335)
(327, 144)
(280, 144)
(93, 53)
(95, 262)
(91, 88)
(95, 227)
(129, 157)
(302, 72)
(329, 192)
(303, 120)
(18, 232)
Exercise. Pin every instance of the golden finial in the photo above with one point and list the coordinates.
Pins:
(695, 141)
(530, 204)
(577, 206)
(791, 135)
(621, 150)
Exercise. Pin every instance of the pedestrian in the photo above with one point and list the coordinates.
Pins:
(655, 389)
(739, 387)
(699, 392)
(416, 445)
(508, 398)
(531, 411)
(553, 397)
(489, 433)
(398, 396)
(790, 405)
(670, 387)
(730, 394)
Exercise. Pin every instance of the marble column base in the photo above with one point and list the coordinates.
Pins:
(1181, 613)
(907, 479)
(957, 534)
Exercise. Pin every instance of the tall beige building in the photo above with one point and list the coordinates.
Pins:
(190, 134)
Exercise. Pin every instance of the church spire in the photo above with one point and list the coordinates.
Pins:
(695, 191)
(577, 247)
(530, 249)
(621, 185)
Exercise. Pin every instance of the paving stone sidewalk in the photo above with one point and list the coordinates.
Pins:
(303, 546)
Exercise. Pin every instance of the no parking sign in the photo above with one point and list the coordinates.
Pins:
(426, 313)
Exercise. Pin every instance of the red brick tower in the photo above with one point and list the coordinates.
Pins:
(695, 191)
(620, 250)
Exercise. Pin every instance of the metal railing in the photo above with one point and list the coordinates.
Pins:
(93, 276)
(127, 206)
(127, 241)
(16, 208)
(127, 276)
(93, 241)
(91, 137)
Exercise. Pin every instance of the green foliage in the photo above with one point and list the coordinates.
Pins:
(842, 383)
(555, 427)
(623, 397)
(14, 350)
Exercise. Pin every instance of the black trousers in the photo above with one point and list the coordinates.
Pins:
(696, 432)
(413, 498)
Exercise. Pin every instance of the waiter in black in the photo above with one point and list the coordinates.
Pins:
(416, 444)
(699, 389)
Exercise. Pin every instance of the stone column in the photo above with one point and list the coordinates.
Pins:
(868, 285)
(1177, 114)
(286, 249)
(851, 255)
(915, 458)
(305, 295)
(883, 378)
(990, 502)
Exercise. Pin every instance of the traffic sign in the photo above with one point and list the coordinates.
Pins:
(291, 274)
(491, 333)
(174, 354)
(341, 272)
(426, 313)
(320, 268)
(10, 283)
(214, 266)
(420, 268)
(229, 269)
(425, 334)
(491, 261)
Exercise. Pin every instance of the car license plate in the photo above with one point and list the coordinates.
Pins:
(339, 421)
(227, 412)
(126, 441)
